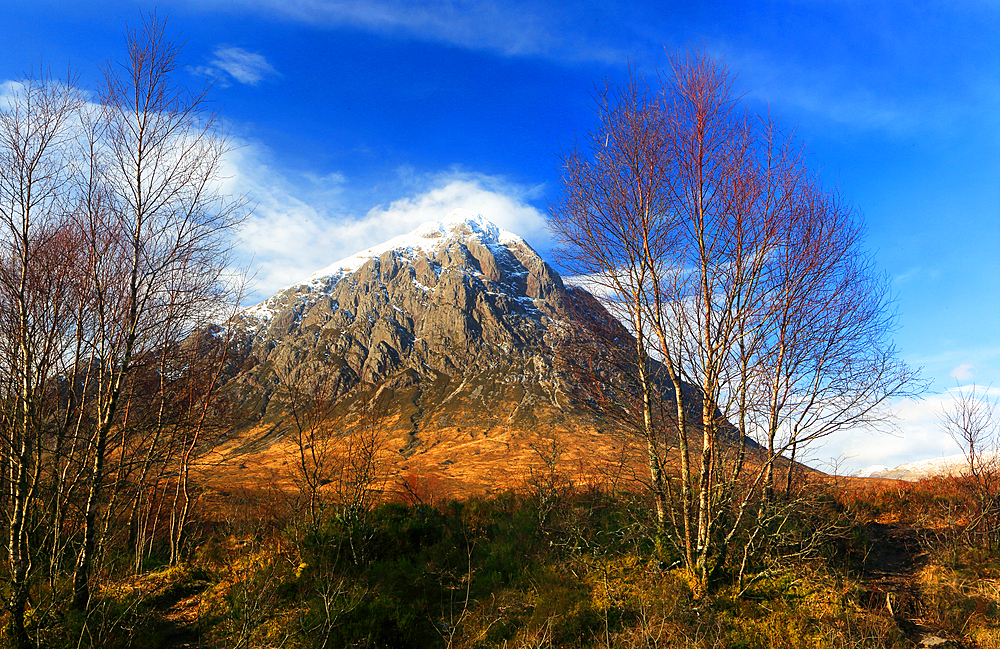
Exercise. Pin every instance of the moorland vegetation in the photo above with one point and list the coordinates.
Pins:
(853, 564)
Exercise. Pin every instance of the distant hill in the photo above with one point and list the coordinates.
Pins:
(913, 471)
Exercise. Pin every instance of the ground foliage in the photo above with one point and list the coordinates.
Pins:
(878, 565)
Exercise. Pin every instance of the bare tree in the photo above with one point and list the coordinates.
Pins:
(114, 241)
(972, 422)
(37, 252)
(202, 414)
(159, 238)
(612, 221)
(360, 472)
(315, 441)
(739, 279)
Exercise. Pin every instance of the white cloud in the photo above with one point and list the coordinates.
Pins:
(301, 225)
(949, 361)
(919, 436)
(963, 372)
(237, 64)
(503, 203)
(9, 90)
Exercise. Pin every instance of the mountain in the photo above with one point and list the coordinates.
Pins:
(452, 328)
(451, 345)
(449, 292)
(955, 465)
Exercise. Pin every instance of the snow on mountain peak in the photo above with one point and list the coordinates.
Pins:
(873, 471)
(460, 217)
(427, 237)
(937, 466)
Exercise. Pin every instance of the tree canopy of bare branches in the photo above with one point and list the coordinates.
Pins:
(971, 420)
(744, 286)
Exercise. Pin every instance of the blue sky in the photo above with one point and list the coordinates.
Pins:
(358, 120)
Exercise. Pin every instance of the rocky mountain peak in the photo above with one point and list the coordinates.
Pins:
(458, 300)
(463, 241)
(430, 239)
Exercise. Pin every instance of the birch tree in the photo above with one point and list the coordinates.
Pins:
(114, 269)
(37, 252)
(740, 280)
(160, 241)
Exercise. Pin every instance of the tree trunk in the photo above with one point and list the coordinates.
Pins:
(85, 561)
(18, 551)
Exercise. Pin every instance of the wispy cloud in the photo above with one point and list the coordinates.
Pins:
(964, 372)
(916, 273)
(829, 92)
(237, 64)
(517, 28)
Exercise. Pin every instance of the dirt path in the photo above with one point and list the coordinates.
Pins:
(178, 617)
(890, 576)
